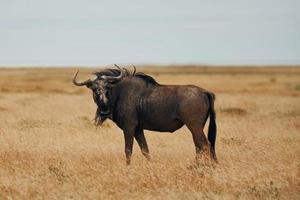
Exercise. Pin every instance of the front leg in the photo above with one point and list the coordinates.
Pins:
(128, 136)
(140, 138)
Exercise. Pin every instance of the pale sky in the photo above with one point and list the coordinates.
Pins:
(62, 32)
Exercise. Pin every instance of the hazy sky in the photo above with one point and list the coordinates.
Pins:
(61, 32)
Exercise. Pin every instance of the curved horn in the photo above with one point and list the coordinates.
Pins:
(114, 78)
(134, 70)
(82, 83)
(117, 66)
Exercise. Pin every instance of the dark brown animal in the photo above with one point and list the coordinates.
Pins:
(136, 102)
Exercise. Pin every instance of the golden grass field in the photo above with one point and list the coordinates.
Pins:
(50, 149)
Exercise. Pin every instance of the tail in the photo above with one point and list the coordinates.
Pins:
(212, 128)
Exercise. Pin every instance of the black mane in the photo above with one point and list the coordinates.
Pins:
(116, 72)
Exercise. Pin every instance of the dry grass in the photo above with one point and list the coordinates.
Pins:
(49, 148)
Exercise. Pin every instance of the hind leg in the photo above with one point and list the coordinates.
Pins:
(194, 112)
(200, 141)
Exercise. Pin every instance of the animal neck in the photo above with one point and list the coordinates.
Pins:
(114, 95)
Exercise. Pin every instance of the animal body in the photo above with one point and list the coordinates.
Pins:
(136, 102)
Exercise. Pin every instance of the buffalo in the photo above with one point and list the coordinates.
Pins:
(136, 102)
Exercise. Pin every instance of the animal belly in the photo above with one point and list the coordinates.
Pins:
(159, 114)
(162, 125)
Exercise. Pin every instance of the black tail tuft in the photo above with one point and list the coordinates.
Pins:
(212, 128)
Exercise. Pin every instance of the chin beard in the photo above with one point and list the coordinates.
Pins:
(100, 117)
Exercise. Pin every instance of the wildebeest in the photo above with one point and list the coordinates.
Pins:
(136, 102)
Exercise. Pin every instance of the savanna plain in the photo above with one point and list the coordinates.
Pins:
(50, 148)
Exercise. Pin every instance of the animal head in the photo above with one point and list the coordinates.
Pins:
(100, 88)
